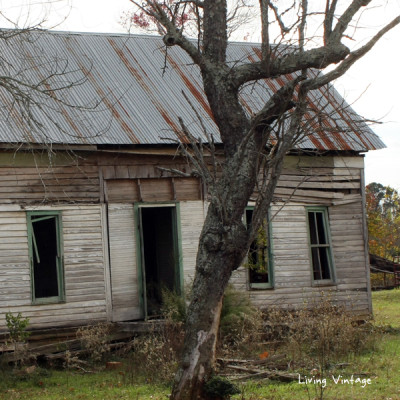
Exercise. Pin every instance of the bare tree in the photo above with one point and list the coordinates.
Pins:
(36, 81)
(287, 47)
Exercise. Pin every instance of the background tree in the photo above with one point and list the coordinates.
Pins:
(297, 37)
(383, 210)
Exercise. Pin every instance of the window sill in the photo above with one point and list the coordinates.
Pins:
(323, 283)
(51, 300)
(260, 286)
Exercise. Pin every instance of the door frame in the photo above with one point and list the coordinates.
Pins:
(176, 227)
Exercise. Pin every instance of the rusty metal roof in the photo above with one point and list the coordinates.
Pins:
(138, 85)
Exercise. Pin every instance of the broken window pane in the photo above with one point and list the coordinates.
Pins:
(45, 256)
(320, 246)
(258, 258)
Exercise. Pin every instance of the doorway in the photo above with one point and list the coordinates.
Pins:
(159, 256)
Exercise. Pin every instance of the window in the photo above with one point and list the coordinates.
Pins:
(259, 258)
(320, 246)
(45, 252)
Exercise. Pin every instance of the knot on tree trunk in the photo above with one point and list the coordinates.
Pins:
(169, 40)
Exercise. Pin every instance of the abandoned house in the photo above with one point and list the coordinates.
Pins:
(93, 220)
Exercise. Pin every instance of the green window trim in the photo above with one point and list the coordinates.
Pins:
(46, 256)
(268, 258)
(320, 246)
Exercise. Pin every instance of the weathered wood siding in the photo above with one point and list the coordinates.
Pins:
(336, 185)
(192, 215)
(100, 287)
(34, 178)
(83, 268)
(123, 263)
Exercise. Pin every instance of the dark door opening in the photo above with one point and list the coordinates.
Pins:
(160, 260)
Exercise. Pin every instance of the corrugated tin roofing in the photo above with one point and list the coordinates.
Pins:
(139, 85)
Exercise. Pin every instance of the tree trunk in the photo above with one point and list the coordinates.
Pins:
(221, 250)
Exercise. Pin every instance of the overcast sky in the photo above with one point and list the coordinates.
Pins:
(371, 86)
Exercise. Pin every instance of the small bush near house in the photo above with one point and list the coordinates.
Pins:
(241, 325)
(220, 388)
(17, 327)
(174, 305)
(155, 355)
(95, 339)
(318, 334)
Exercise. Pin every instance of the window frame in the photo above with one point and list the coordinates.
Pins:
(270, 283)
(59, 260)
(327, 232)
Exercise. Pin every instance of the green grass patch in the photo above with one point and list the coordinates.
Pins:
(386, 308)
(73, 385)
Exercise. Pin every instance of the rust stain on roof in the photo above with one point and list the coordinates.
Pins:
(196, 93)
(104, 98)
(135, 73)
(124, 72)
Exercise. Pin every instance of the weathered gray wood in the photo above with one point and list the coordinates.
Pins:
(83, 270)
(124, 273)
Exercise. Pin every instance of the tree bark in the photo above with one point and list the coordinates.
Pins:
(221, 250)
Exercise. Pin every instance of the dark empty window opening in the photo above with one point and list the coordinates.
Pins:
(46, 259)
(160, 260)
(259, 259)
(320, 245)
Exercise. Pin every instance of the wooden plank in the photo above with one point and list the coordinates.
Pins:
(123, 262)
(154, 190)
(122, 190)
(121, 172)
(318, 185)
(187, 189)
(319, 178)
(192, 214)
(308, 193)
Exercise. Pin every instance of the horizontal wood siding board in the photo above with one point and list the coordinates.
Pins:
(318, 185)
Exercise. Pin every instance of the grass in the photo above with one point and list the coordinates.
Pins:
(67, 385)
(380, 364)
(386, 308)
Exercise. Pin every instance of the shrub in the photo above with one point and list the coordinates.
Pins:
(156, 354)
(17, 326)
(218, 387)
(173, 306)
(95, 339)
(17, 329)
(319, 333)
(241, 323)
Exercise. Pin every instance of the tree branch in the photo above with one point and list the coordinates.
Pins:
(345, 19)
(328, 21)
(288, 63)
(265, 46)
(350, 60)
